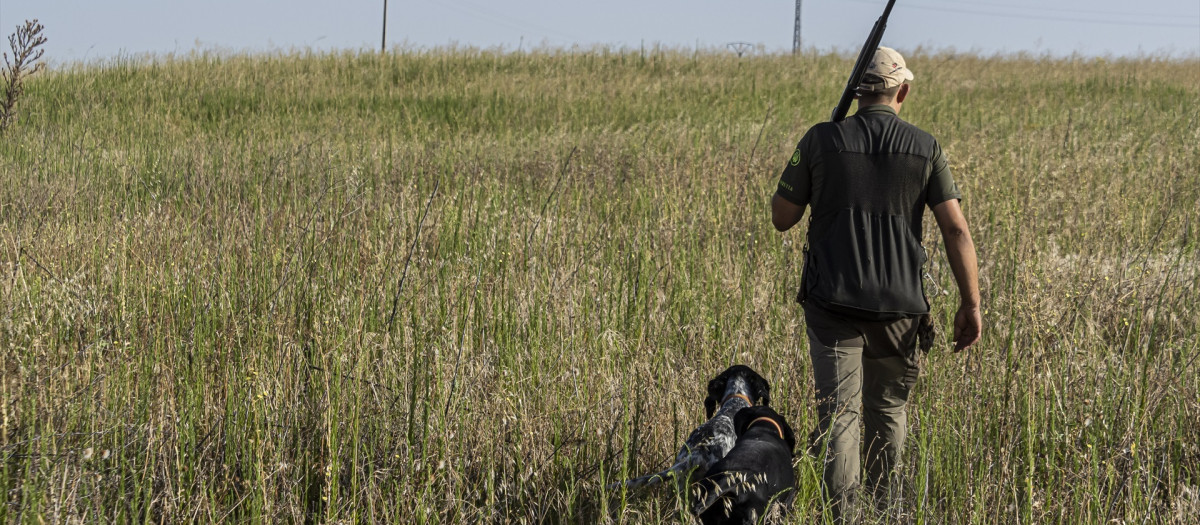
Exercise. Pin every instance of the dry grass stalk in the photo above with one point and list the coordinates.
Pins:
(25, 44)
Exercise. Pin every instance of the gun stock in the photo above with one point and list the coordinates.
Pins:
(860, 66)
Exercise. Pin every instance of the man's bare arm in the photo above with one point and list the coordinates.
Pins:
(784, 213)
(960, 250)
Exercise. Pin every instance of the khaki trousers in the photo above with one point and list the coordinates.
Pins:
(863, 372)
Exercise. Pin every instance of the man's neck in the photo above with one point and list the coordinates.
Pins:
(891, 104)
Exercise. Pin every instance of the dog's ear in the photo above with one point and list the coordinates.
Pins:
(740, 420)
(743, 417)
(762, 389)
(716, 390)
(788, 435)
(710, 407)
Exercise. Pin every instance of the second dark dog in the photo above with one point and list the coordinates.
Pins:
(756, 474)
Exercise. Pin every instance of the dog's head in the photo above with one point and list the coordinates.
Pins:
(747, 417)
(744, 380)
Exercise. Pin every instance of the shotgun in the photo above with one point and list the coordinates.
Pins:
(860, 67)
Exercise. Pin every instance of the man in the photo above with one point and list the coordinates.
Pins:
(868, 180)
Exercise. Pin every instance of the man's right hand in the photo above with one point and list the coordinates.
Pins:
(968, 323)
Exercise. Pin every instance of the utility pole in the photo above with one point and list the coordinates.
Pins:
(383, 40)
(796, 32)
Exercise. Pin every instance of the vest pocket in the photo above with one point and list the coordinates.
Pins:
(808, 278)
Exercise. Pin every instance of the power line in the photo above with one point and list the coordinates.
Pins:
(1063, 10)
(1042, 18)
(502, 19)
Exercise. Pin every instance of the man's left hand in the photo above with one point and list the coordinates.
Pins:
(968, 324)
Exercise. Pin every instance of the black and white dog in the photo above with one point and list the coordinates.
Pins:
(755, 475)
(738, 387)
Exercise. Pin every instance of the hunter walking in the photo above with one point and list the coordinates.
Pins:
(868, 179)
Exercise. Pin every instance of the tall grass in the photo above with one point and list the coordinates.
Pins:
(456, 286)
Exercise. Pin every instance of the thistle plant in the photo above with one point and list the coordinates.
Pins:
(25, 44)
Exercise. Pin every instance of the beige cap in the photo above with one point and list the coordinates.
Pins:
(885, 71)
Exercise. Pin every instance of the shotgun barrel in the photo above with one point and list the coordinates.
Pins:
(860, 66)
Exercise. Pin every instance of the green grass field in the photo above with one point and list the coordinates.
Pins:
(457, 286)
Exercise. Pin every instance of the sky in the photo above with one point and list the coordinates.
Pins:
(91, 30)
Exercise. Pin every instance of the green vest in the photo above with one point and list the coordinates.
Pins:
(869, 182)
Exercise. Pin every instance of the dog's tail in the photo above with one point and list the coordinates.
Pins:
(707, 491)
(676, 471)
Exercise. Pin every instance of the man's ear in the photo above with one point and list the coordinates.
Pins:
(902, 94)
